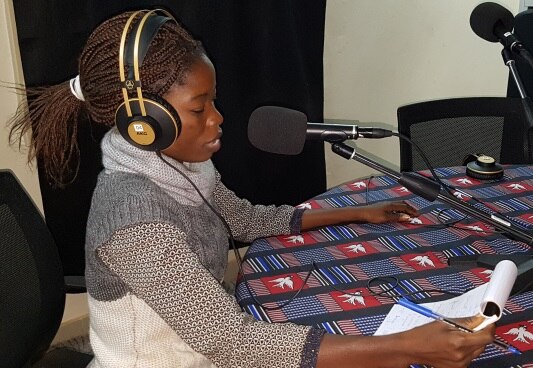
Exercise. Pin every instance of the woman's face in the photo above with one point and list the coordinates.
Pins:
(194, 102)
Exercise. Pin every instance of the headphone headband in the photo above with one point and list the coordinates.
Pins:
(148, 122)
(125, 86)
(143, 32)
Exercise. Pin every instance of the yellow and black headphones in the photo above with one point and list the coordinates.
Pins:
(146, 121)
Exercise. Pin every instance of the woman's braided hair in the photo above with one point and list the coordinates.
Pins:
(53, 112)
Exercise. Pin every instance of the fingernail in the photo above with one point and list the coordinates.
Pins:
(405, 216)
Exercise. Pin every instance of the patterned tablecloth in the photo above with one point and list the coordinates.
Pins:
(322, 277)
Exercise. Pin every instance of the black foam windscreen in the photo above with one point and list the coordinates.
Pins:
(486, 16)
(277, 130)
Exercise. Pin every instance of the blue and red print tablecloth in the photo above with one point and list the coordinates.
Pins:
(322, 276)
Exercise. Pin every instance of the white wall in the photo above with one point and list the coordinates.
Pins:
(525, 4)
(11, 73)
(382, 54)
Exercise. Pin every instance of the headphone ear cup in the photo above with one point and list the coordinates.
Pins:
(484, 168)
(154, 132)
(483, 176)
(168, 119)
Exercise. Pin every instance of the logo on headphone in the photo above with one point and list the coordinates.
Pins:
(129, 84)
(139, 129)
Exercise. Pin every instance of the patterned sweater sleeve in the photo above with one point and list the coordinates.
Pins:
(155, 262)
(249, 222)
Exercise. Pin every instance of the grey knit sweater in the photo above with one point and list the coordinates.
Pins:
(156, 256)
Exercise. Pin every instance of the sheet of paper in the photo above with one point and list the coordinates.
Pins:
(487, 300)
(401, 319)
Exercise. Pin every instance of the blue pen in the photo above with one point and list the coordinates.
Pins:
(433, 315)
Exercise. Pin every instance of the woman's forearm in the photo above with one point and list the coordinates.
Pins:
(362, 351)
(331, 216)
(377, 213)
(435, 344)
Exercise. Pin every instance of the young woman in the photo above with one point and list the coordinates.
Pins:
(156, 249)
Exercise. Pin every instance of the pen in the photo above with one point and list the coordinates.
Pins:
(433, 315)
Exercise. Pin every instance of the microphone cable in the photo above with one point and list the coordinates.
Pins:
(390, 291)
(425, 159)
(443, 223)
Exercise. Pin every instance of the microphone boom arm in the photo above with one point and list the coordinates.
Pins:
(527, 104)
(431, 191)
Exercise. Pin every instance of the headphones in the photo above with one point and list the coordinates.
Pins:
(146, 121)
(483, 167)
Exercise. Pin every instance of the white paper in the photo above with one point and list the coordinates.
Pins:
(497, 293)
(471, 303)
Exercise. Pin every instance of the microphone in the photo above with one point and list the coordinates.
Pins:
(284, 131)
(494, 23)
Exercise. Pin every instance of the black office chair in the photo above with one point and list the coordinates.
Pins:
(32, 287)
(450, 129)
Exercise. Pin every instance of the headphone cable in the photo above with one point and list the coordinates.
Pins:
(232, 242)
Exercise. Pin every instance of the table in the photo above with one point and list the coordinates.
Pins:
(321, 276)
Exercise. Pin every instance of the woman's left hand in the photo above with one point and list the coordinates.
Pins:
(374, 213)
(388, 212)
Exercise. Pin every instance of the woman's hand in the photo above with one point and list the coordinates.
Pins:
(435, 344)
(388, 212)
(443, 346)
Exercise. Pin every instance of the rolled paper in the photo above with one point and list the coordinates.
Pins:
(498, 289)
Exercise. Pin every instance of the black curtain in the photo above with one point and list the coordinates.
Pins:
(265, 52)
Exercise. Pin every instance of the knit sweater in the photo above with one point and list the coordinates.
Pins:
(156, 256)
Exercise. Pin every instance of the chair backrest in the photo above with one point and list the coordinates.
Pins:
(450, 129)
(32, 294)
